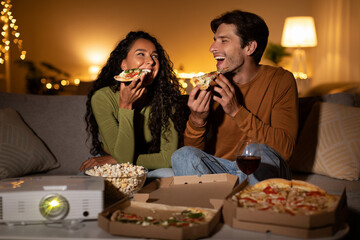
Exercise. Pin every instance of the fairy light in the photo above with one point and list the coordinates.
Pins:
(9, 30)
(76, 81)
(63, 83)
(56, 86)
(185, 79)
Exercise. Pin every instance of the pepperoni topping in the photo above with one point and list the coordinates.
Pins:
(269, 190)
(132, 74)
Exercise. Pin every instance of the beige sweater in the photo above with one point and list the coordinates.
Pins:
(269, 115)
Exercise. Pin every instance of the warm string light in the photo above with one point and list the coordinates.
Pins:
(186, 77)
(9, 28)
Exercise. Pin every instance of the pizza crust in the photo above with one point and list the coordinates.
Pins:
(305, 186)
(278, 182)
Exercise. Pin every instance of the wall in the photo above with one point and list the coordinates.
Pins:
(68, 33)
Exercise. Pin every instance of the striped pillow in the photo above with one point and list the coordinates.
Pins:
(21, 151)
(329, 143)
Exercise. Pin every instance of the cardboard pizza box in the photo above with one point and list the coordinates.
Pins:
(304, 226)
(165, 197)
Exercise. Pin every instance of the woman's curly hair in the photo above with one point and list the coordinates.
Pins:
(164, 93)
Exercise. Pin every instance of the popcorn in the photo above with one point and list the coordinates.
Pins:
(125, 177)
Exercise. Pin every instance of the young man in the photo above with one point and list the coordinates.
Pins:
(250, 101)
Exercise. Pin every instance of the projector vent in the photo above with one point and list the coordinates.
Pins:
(21, 206)
(1, 208)
(85, 204)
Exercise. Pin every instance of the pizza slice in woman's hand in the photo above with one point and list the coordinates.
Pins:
(130, 74)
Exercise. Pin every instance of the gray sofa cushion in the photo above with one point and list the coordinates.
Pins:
(21, 151)
(58, 121)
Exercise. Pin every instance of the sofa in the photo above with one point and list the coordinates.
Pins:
(46, 135)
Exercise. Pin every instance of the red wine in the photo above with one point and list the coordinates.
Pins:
(248, 165)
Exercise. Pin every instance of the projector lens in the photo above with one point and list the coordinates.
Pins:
(54, 207)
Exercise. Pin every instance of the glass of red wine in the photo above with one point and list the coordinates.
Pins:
(248, 157)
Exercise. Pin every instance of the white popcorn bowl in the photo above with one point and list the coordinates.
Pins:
(118, 186)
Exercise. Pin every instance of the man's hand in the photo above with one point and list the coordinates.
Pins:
(228, 99)
(97, 161)
(199, 104)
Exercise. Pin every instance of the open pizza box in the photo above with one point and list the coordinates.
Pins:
(303, 226)
(167, 197)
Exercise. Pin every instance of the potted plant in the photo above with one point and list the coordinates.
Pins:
(275, 53)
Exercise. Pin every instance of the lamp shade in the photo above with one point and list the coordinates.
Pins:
(299, 32)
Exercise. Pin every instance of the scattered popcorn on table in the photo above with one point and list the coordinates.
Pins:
(126, 177)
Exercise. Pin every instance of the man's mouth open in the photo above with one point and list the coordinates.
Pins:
(220, 61)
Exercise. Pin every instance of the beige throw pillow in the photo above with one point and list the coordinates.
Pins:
(329, 143)
(21, 151)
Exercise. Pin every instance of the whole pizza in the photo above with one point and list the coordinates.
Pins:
(284, 196)
(187, 218)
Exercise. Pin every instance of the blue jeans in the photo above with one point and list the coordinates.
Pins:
(160, 173)
(192, 161)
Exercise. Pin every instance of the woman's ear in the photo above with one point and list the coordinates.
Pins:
(123, 65)
(251, 47)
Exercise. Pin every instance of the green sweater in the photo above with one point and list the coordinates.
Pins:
(125, 134)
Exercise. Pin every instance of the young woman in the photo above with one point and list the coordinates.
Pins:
(141, 122)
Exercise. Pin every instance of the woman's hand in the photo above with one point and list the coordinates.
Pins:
(131, 92)
(97, 161)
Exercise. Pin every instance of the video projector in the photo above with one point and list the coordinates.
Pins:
(44, 199)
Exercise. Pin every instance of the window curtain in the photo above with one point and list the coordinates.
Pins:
(337, 55)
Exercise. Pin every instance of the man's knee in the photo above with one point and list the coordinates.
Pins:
(183, 152)
(178, 158)
(179, 155)
(182, 160)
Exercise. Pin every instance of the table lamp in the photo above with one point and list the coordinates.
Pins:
(299, 32)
